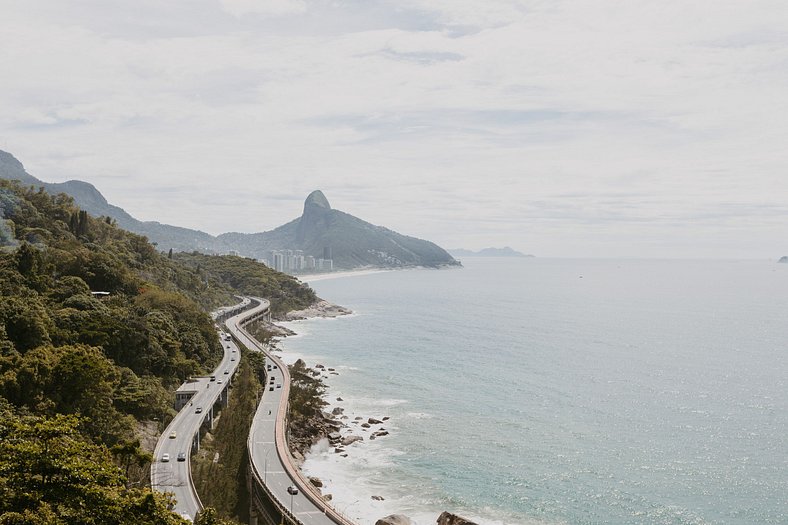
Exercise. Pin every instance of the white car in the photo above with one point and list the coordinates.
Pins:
(165, 458)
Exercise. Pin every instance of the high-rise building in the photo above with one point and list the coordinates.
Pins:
(326, 252)
(279, 261)
(309, 262)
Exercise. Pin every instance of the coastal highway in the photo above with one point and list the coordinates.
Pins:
(271, 460)
(174, 475)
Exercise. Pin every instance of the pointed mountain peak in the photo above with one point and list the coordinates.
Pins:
(316, 198)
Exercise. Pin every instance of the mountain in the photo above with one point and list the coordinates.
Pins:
(488, 252)
(321, 231)
(88, 198)
(324, 232)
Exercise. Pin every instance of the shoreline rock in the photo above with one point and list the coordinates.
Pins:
(322, 308)
(447, 518)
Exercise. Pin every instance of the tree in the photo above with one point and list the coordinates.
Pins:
(51, 474)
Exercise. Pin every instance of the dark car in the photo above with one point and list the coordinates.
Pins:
(292, 490)
(198, 410)
(272, 388)
(181, 456)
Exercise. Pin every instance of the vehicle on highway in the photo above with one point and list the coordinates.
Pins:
(213, 378)
(219, 381)
(226, 371)
(198, 410)
(279, 386)
(292, 490)
(232, 359)
(181, 456)
(272, 388)
(186, 517)
(165, 458)
(173, 434)
(274, 366)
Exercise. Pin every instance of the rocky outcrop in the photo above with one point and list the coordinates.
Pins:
(315, 481)
(447, 518)
(349, 440)
(319, 309)
(783, 259)
(395, 519)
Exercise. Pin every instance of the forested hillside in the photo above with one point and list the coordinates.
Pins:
(253, 278)
(79, 371)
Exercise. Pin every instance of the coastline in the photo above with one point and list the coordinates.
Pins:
(313, 277)
(360, 433)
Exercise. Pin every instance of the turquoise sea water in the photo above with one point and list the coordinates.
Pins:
(561, 391)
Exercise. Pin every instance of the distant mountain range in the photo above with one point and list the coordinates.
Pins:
(488, 252)
(320, 231)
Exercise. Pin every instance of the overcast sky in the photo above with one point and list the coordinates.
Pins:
(558, 127)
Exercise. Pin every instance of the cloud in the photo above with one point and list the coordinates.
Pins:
(240, 8)
(666, 121)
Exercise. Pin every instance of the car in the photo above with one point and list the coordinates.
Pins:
(274, 366)
(213, 378)
(198, 410)
(269, 368)
(278, 386)
(226, 371)
(181, 456)
(219, 381)
(292, 490)
(233, 349)
(165, 458)
(232, 359)
(173, 434)
(272, 388)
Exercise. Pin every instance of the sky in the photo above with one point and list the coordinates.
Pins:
(568, 128)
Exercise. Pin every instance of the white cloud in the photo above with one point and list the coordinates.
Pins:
(664, 122)
(263, 7)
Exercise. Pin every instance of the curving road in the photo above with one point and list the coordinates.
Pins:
(271, 461)
(174, 475)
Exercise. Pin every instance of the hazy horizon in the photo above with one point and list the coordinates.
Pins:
(561, 129)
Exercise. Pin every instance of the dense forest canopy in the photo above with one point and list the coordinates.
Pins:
(80, 370)
(253, 278)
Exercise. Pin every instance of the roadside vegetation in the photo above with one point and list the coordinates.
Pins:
(219, 468)
(81, 371)
(306, 422)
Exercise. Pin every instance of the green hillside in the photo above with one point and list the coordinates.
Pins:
(79, 371)
(252, 278)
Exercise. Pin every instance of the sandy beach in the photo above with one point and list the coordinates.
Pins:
(336, 275)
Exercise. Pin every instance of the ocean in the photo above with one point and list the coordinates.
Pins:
(559, 391)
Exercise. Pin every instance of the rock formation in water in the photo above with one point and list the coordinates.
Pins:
(447, 518)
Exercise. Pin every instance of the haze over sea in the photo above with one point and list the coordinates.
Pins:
(561, 391)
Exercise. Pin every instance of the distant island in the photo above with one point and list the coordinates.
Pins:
(488, 252)
(783, 259)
